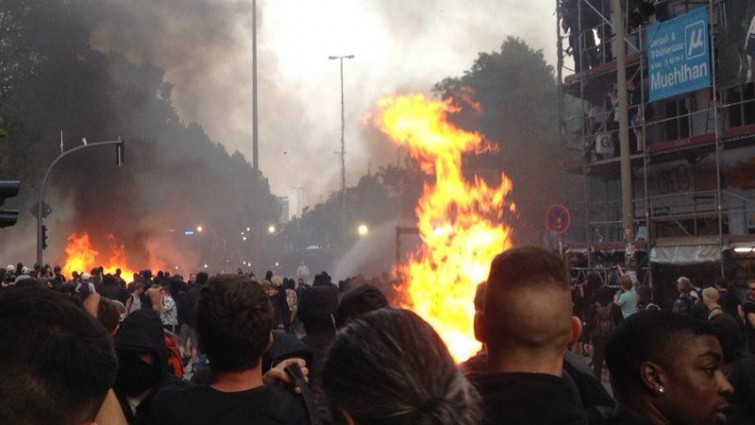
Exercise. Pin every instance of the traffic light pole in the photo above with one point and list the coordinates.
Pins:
(120, 148)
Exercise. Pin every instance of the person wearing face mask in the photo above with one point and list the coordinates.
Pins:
(142, 364)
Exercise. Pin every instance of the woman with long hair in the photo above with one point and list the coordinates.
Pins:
(391, 368)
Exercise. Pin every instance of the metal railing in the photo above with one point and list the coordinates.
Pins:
(682, 208)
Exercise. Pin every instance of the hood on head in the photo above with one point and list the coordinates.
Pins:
(142, 331)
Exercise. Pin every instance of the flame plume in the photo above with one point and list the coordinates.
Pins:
(460, 222)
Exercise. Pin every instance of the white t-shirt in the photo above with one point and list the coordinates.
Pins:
(136, 303)
(169, 315)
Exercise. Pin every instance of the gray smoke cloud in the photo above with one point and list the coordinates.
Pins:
(205, 48)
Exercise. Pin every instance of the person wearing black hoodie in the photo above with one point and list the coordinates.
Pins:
(316, 309)
(142, 364)
(357, 302)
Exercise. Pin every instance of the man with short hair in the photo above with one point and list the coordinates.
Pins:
(38, 385)
(730, 330)
(527, 325)
(58, 277)
(234, 344)
(710, 299)
(119, 278)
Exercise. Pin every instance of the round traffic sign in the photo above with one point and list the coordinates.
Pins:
(557, 219)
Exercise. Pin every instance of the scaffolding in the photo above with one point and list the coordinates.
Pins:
(682, 145)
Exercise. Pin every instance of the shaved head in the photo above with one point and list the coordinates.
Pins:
(528, 302)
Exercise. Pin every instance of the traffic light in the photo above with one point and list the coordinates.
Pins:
(44, 237)
(8, 189)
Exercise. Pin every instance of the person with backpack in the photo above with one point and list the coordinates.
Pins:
(602, 318)
(686, 300)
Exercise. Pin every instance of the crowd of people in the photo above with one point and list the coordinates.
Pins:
(238, 349)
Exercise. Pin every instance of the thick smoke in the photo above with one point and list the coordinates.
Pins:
(205, 48)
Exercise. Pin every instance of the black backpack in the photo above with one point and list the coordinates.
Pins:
(604, 323)
(683, 304)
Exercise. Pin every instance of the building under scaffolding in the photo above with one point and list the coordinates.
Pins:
(691, 109)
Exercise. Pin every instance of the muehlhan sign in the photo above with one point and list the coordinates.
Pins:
(679, 55)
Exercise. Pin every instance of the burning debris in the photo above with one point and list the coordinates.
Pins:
(81, 256)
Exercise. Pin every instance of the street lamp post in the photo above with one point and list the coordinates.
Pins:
(343, 151)
(256, 196)
(120, 148)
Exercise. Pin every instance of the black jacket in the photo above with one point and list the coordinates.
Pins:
(742, 378)
(624, 417)
(528, 398)
(113, 291)
(193, 296)
(595, 400)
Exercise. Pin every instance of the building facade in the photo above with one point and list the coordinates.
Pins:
(691, 113)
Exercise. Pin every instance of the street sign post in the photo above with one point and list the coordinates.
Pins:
(557, 219)
(46, 210)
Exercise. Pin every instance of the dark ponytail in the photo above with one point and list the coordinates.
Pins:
(391, 368)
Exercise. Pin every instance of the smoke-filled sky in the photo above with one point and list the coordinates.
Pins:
(205, 48)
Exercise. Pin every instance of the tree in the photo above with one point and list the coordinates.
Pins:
(175, 177)
(517, 96)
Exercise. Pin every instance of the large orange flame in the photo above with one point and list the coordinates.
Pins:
(460, 222)
(82, 257)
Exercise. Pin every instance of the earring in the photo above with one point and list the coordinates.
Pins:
(661, 390)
